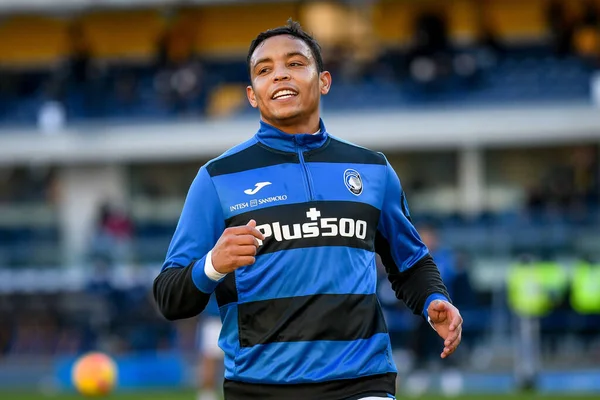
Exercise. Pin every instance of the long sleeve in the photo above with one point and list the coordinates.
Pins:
(182, 289)
(411, 270)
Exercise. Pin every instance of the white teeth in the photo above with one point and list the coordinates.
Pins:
(283, 94)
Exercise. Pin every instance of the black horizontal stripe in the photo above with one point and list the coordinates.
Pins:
(349, 389)
(341, 223)
(253, 157)
(307, 318)
(226, 291)
(336, 151)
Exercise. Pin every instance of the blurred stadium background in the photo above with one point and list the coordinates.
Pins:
(488, 110)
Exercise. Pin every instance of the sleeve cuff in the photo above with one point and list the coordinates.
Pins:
(203, 276)
(210, 270)
(430, 299)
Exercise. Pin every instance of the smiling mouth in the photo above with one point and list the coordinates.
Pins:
(284, 94)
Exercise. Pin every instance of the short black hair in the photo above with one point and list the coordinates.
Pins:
(294, 29)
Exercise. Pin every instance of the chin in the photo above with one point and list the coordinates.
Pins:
(287, 116)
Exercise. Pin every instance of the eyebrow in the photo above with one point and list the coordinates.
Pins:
(288, 55)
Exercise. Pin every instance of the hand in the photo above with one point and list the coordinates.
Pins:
(236, 248)
(447, 322)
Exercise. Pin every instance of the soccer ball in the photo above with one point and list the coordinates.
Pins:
(94, 375)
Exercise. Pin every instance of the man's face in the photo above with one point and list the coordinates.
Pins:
(429, 238)
(286, 85)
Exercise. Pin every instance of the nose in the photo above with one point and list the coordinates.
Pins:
(281, 74)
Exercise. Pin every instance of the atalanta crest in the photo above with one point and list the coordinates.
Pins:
(353, 181)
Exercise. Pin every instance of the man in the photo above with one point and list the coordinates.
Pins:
(419, 381)
(211, 355)
(284, 227)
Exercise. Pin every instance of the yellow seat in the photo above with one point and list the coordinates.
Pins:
(226, 100)
(228, 29)
(30, 41)
(517, 19)
(123, 35)
(587, 41)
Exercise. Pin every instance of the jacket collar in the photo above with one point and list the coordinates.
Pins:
(279, 140)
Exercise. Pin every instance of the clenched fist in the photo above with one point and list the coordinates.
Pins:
(236, 248)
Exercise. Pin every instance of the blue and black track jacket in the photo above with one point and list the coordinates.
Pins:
(302, 322)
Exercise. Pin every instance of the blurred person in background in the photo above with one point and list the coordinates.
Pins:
(211, 355)
(113, 234)
(444, 257)
(536, 288)
(430, 58)
(290, 291)
(180, 78)
(587, 35)
(85, 77)
(560, 28)
(584, 298)
(426, 340)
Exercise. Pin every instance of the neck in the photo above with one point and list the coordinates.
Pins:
(306, 125)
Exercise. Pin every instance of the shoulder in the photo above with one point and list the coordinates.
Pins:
(236, 150)
(232, 156)
(342, 151)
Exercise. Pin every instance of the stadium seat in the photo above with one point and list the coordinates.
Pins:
(587, 41)
(111, 36)
(32, 41)
(226, 100)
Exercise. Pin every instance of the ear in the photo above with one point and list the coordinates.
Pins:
(251, 96)
(325, 82)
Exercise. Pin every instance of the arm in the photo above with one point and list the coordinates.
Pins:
(411, 270)
(183, 288)
(414, 276)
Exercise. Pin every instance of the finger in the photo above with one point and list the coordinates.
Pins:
(447, 352)
(439, 305)
(452, 336)
(251, 223)
(246, 250)
(245, 240)
(454, 342)
(456, 322)
(246, 230)
(245, 260)
(437, 311)
(257, 234)
(438, 316)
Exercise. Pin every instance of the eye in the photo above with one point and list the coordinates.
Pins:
(263, 70)
(295, 64)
